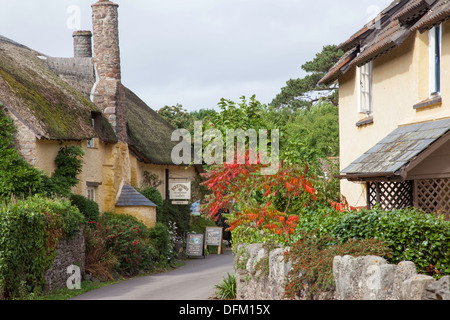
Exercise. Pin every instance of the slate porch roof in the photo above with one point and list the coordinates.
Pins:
(129, 197)
(393, 153)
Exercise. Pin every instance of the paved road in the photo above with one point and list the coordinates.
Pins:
(195, 280)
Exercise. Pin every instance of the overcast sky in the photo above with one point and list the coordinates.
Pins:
(195, 52)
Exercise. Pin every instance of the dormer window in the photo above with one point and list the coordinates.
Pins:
(365, 92)
(435, 39)
(91, 142)
(96, 120)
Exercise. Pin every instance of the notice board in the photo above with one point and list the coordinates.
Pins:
(214, 237)
(194, 245)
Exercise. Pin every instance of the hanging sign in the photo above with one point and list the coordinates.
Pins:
(180, 192)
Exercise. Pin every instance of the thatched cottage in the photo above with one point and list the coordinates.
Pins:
(394, 108)
(82, 101)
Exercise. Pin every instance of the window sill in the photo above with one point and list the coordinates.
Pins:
(365, 122)
(431, 102)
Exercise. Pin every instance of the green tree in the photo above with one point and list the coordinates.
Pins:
(312, 135)
(303, 92)
(177, 116)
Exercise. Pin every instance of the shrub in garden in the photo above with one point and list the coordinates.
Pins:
(88, 208)
(167, 213)
(135, 247)
(312, 258)
(16, 175)
(153, 195)
(30, 230)
(411, 234)
(164, 241)
(128, 239)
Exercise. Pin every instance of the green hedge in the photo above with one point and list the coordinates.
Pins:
(30, 230)
(411, 234)
(88, 208)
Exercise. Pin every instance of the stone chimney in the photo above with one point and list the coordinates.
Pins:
(82, 44)
(108, 93)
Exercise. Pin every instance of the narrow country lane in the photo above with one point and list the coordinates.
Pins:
(195, 280)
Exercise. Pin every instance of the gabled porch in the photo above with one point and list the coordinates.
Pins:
(409, 167)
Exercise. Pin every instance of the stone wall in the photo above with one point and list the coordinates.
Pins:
(261, 275)
(69, 252)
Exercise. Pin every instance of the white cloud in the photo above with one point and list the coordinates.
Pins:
(194, 52)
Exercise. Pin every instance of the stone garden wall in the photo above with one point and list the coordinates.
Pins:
(261, 274)
(69, 252)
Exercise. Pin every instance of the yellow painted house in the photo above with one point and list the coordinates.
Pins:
(82, 101)
(394, 102)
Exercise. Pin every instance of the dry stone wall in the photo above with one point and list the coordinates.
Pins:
(69, 253)
(261, 275)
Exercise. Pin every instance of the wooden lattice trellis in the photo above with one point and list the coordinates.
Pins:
(390, 195)
(433, 195)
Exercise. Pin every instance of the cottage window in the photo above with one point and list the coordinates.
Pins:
(435, 39)
(91, 142)
(91, 193)
(365, 92)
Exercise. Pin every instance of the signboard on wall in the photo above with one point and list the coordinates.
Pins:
(180, 192)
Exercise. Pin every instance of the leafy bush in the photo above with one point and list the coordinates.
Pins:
(411, 234)
(163, 242)
(69, 164)
(167, 213)
(178, 214)
(128, 240)
(198, 224)
(16, 175)
(153, 195)
(312, 257)
(25, 259)
(19, 178)
(88, 208)
(136, 247)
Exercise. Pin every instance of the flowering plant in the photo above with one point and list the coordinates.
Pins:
(263, 202)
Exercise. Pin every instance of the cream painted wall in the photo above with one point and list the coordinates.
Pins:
(400, 81)
(94, 160)
(110, 166)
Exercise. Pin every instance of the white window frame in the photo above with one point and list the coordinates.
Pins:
(365, 88)
(435, 87)
(91, 193)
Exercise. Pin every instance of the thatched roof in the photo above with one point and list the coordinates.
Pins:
(51, 96)
(149, 133)
(50, 107)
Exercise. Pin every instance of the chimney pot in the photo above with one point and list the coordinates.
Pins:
(82, 44)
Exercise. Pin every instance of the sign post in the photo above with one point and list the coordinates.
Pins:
(214, 237)
(194, 245)
(180, 192)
